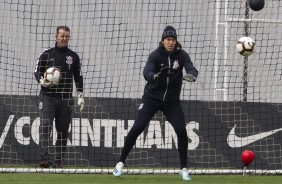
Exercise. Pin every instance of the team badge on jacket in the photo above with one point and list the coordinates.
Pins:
(40, 105)
(175, 64)
(140, 106)
(69, 61)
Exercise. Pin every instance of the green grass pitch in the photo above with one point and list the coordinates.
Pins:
(40, 178)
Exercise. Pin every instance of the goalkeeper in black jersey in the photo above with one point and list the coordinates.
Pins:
(56, 99)
(163, 73)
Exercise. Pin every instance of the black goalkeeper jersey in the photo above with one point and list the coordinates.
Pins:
(167, 88)
(69, 64)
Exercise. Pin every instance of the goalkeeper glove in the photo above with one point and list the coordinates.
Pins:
(162, 73)
(80, 101)
(45, 83)
(189, 78)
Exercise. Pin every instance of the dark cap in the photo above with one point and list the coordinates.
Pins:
(169, 31)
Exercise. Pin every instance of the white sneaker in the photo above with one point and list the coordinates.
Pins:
(185, 175)
(118, 169)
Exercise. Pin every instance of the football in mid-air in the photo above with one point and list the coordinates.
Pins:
(246, 46)
(256, 5)
(53, 74)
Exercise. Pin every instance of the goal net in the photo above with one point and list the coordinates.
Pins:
(233, 106)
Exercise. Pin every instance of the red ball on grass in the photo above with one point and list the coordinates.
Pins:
(247, 157)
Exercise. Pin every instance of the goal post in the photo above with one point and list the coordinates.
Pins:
(113, 40)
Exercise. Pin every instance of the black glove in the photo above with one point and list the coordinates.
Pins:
(162, 73)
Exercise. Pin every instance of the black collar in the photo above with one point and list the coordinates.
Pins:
(61, 49)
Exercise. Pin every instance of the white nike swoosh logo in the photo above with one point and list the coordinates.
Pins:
(236, 142)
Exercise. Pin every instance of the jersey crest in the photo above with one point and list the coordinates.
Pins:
(69, 61)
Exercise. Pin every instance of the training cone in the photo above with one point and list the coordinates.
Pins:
(247, 157)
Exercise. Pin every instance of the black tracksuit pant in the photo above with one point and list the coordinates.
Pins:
(54, 107)
(174, 114)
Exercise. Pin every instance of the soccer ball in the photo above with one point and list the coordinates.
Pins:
(53, 74)
(246, 46)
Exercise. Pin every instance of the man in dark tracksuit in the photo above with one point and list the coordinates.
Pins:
(56, 98)
(163, 73)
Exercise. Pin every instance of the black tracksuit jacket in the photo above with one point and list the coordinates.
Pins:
(69, 64)
(168, 87)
